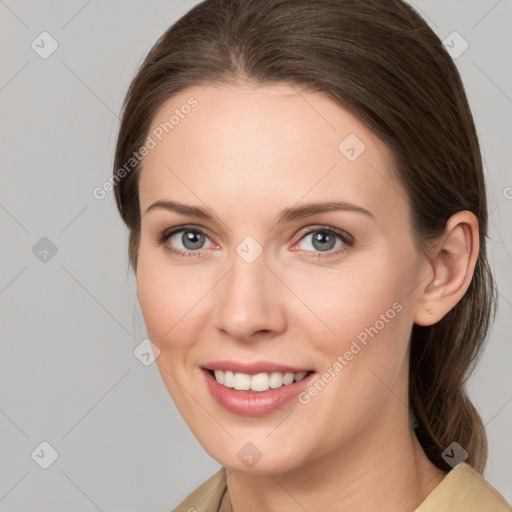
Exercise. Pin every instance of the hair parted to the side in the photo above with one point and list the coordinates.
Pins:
(380, 61)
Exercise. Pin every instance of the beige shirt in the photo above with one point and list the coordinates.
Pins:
(461, 490)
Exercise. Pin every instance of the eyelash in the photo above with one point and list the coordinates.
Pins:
(347, 240)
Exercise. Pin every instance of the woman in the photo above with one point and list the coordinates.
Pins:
(332, 377)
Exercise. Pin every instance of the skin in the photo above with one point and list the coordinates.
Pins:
(247, 152)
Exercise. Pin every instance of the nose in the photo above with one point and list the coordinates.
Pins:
(249, 300)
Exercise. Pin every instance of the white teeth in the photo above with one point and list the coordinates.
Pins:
(300, 376)
(288, 378)
(260, 382)
(228, 379)
(276, 380)
(242, 381)
(257, 382)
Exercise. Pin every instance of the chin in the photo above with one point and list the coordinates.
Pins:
(253, 458)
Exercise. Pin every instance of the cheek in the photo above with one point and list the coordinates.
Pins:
(166, 299)
(356, 300)
(360, 329)
(167, 296)
(155, 303)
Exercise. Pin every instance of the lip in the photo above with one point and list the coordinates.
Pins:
(254, 403)
(254, 367)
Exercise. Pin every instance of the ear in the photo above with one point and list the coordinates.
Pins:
(452, 263)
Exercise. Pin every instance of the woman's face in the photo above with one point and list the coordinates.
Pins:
(268, 283)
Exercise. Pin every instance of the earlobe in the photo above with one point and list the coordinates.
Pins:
(452, 264)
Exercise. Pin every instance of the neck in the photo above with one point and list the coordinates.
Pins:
(371, 471)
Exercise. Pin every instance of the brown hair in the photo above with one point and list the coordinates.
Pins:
(379, 60)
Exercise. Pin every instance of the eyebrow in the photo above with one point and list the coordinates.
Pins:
(286, 215)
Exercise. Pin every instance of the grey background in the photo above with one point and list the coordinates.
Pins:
(70, 324)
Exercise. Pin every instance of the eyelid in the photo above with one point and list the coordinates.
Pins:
(188, 227)
(322, 227)
(168, 233)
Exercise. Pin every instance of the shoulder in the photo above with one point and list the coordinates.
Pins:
(464, 490)
(206, 497)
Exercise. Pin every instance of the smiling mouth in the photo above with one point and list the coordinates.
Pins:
(259, 382)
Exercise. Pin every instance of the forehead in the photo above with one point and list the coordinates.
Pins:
(269, 146)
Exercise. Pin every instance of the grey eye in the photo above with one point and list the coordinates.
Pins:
(321, 240)
(191, 240)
